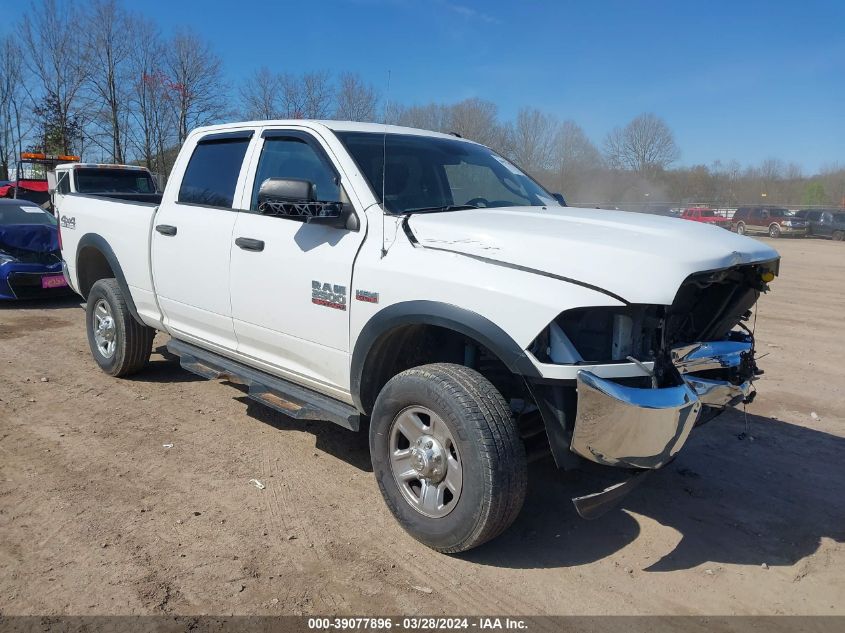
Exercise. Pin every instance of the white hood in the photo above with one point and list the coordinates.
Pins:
(641, 258)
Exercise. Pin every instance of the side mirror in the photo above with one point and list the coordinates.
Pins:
(296, 200)
(51, 181)
(559, 198)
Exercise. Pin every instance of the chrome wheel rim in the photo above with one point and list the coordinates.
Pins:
(425, 462)
(104, 328)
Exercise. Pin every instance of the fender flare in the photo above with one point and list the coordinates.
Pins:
(97, 241)
(445, 315)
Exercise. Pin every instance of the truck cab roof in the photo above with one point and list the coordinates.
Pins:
(334, 126)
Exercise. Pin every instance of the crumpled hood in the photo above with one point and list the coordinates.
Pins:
(641, 258)
(37, 238)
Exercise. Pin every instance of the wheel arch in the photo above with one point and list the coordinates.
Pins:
(388, 330)
(95, 260)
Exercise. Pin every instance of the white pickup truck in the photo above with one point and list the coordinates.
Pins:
(423, 284)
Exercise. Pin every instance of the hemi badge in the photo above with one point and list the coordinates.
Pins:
(367, 296)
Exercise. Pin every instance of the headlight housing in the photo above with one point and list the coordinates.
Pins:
(601, 335)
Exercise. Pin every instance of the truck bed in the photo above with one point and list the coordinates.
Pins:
(124, 226)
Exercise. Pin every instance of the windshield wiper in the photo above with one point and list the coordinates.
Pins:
(446, 207)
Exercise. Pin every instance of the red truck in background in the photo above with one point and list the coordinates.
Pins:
(707, 216)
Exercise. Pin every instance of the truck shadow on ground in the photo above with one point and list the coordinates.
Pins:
(725, 499)
(766, 496)
(349, 446)
(165, 369)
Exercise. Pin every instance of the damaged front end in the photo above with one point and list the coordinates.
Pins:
(689, 361)
(634, 427)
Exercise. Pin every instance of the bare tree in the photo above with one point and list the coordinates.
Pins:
(109, 48)
(477, 120)
(292, 95)
(307, 96)
(533, 140)
(318, 95)
(261, 95)
(57, 58)
(196, 79)
(574, 156)
(644, 145)
(153, 123)
(356, 100)
(11, 98)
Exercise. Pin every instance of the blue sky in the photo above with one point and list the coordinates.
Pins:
(735, 80)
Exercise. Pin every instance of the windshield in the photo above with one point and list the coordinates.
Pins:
(24, 214)
(779, 213)
(425, 173)
(104, 180)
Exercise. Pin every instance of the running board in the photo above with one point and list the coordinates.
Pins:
(286, 397)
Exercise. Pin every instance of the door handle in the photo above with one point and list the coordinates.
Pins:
(249, 244)
(166, 229)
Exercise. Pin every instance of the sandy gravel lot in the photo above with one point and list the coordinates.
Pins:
(97, 517)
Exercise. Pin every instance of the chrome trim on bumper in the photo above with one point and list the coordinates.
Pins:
(616, 425)
(709, 355)
(719, 393)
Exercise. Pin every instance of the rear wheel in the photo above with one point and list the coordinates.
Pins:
(838, 236)
(120, 345)
(774, 231)
(740, 228)
(447, 456)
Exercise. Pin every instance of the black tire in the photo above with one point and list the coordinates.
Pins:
(774, 231)
(133, 341)
(492, 455)
(838, 236)
(740, 228)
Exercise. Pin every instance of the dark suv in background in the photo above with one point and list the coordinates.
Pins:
(824, 222)
(773, 221)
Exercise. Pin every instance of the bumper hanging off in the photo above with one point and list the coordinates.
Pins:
(630, 427)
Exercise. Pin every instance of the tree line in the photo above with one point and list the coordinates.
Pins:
(101, 80)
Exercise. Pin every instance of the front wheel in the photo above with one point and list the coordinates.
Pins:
(447, 456)
(774, 231)
(838, 236)
(120, 345)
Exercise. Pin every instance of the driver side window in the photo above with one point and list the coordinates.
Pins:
(293, 157)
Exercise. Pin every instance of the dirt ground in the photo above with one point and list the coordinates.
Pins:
(98, 517)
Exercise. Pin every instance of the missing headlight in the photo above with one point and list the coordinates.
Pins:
(608, 334)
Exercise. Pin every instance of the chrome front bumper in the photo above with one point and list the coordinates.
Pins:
(630, 427)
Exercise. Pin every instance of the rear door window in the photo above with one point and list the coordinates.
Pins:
(113, 180)
(212, 173)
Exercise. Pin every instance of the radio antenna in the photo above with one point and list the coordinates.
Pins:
(384, 165)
